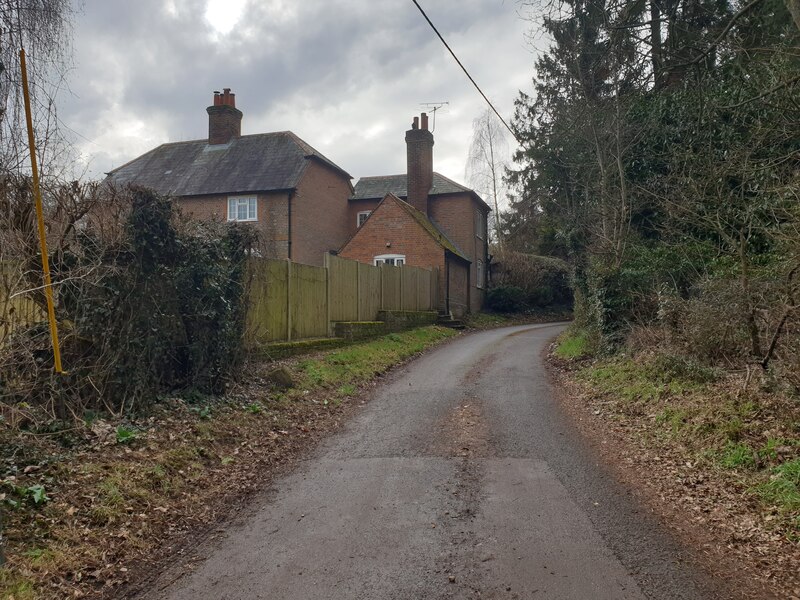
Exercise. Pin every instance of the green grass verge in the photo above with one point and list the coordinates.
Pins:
(348, 367)
(783, 488)
(643, 381)
(572, 345)
(693, 408)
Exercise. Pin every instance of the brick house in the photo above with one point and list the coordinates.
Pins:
(423, 219)
(295, 196)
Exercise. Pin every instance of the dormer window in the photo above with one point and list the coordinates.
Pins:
(243, 208)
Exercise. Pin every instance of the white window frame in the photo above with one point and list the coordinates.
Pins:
(363, 213)
(479, 275)
(237, 202)
(383, 258)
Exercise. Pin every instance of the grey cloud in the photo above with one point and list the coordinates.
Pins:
(335, 72)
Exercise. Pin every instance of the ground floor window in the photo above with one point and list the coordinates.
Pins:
(243, 208)
(398, 260)
(480, 274)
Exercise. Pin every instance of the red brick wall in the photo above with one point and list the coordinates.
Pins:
(457, 215)
(419, 165)
(320, 214)
(356, 206)
(272, 213)
(224, 123)
(393, 225)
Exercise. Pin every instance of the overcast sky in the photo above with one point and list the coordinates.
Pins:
(347, 76)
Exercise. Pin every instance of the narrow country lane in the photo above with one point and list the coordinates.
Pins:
(460, 479)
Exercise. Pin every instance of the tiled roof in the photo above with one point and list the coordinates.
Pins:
(369, 188)
(432, 228)
(250, 163)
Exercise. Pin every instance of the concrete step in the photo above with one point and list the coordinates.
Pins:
(450, 322)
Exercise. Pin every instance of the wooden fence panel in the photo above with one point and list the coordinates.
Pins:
(294, 301)
(369, 292)
(308, 307)
(344, 289)
(267, 315)
(392, 285)
(408, 289)
(17, 312)
(424, 290)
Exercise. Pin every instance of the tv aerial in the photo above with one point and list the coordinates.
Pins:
(432, 108)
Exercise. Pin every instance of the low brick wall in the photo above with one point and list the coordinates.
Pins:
(357, 330)
(279, 350)
(406, 319)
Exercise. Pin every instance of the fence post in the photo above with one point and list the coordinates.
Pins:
(417, 275)
(401, 290)
(383, 307)
(434, 295)
(288, 300)
(358, 291)
(327, 264)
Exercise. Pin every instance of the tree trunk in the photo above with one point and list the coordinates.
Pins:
(752, 326)
(655, 40)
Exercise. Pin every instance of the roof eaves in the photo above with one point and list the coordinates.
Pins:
(432, 229)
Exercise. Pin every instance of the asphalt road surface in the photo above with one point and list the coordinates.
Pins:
(461, 478)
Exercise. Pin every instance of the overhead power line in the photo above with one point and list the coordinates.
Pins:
(463, 68)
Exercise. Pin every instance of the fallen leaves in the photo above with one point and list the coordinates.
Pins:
(710, 509)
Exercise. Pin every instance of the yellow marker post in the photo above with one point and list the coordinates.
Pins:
(37, 196)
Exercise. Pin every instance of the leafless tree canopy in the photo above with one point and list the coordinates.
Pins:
(43, 28)
(487, 161)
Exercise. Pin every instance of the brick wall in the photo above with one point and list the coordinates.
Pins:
(356, 206)
(320, 215)
(224, 123)
(419, 165)
(272, 224)
(391, 224)
(457, 215)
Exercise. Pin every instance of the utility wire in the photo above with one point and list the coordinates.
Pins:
(463, 68)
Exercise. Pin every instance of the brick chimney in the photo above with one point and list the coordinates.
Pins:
(419, 160)
(224, 119)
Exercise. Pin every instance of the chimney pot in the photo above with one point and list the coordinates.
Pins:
(424, 120)
(415, 123)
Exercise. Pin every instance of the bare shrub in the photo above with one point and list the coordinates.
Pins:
(543, 280)
(146, 300)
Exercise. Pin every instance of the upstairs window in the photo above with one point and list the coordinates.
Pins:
(398, 260)
(362, 216)
(480, 225)
(243, 208)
